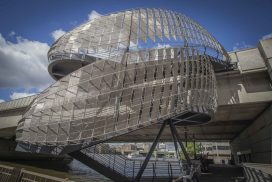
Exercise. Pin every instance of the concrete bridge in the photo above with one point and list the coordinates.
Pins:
(244, 108)
(10, 113)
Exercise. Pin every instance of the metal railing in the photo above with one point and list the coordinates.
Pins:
(257, 172)
(6, 173)
(129, 167)
(12, 174)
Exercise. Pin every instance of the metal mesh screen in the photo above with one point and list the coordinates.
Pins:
(108, 98)
(145, 66)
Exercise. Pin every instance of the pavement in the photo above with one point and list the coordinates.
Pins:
(222, 173)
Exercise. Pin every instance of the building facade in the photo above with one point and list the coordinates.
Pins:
(218, 152)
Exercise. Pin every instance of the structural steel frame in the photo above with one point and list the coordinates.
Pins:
(140, 67)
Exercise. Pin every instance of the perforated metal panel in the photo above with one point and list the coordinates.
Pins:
(132, 30)
(147, 65)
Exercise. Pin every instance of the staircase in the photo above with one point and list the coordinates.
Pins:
(106, 160)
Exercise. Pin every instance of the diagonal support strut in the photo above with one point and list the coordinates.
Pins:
(175, 133)
(176, 139)
(154, 144)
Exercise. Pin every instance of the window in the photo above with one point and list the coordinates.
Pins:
(223, 147)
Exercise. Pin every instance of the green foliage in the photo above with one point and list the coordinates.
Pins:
(190, 150)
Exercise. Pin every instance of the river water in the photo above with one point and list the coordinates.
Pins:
(74, 170)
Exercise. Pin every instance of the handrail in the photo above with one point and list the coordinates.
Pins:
(171, 171)
(257, 172)
(8, 173)
(133, 168)
(109, 157)
(154, 171)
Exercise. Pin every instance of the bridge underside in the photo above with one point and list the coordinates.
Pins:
(228, 122)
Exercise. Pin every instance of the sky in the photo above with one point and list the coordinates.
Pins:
(28, 28)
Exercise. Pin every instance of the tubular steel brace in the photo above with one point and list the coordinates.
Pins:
(176, 138)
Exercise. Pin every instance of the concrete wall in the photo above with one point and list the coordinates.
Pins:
(244, 88)
(8, 122)
(265, 47)
(11, 118)
(249, 59)
(255, 140)
(216, 153)
(251, 82)
(10, 113)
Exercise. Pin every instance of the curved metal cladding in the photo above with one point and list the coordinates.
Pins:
(111, 35)
(144, 66)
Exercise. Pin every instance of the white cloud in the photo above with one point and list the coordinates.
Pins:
(268, 36)
(18, 95)
(241, 45)
(163, 45)
(93, 15)
(2, 100)
(23, 64)
(57, 34)
(12, 33)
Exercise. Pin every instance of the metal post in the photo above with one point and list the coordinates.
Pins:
(133, 169)
(140, 173)
(256, 174)
(125, 167)
(186, 137)
(194, 148)
(251, 174)
(174, 130)
(176, 148)
(175, 143)
(114, 160)
(262, 175)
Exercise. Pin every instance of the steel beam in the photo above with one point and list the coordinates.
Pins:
(174, 131)
(140, 173)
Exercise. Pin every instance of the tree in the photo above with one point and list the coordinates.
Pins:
(190, 150)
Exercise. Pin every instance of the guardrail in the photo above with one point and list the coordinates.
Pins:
(12, 174)
(257, 172)
(129, 167)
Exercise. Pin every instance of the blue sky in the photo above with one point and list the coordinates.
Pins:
(28, 28)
